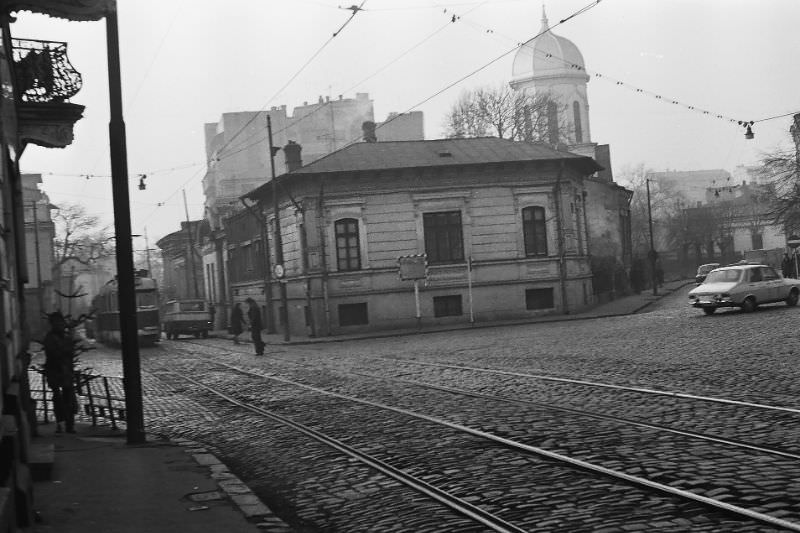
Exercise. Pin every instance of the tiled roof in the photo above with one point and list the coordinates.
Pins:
(442, 152)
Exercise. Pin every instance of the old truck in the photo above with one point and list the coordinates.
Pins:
(187, 317)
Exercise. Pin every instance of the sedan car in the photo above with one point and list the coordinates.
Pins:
(703, 270)
(744, 286)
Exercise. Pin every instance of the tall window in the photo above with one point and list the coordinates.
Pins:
(534, 230)
(443, 237)
(552, 123)
(576, 115)
(348, 248)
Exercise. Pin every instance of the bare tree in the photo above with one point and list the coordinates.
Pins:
(80, 236)
(781, 169)
(666, 205)
(508, 114)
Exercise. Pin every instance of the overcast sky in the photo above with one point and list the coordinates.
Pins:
(185, 62)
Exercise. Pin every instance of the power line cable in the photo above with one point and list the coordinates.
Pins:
(296, 74)
(455, 18)
(358, 84)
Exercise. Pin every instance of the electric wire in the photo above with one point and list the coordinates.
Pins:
(296, 74)
(479, 69)
(354, 86)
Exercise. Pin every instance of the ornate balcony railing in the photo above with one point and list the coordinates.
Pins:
(43, 71)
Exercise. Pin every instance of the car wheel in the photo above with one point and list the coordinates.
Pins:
(791, 300)
(709, 310)
(205, 333)
(749, 305)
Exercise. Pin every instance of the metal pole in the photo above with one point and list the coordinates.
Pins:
(416, 302)
(147, 254)
(469, 289)
(122, 225)
(278, 238)
(652, 245)
(190, 244)
(40, 289)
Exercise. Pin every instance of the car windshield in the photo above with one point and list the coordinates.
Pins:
(705, 269)
(724, 276)
(192, 306)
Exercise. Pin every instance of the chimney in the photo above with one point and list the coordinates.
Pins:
(368, 127)
(292, 154)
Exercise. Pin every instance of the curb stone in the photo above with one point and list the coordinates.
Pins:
(253, 509)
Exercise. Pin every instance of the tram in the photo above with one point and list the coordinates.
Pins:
(105, 324)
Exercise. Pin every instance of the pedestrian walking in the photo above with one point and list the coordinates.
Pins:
(59, 350)
(237, 322)
(254, 315)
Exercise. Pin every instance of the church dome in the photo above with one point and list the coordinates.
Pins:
(547, 56)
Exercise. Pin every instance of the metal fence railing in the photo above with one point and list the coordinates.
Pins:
(99, 399)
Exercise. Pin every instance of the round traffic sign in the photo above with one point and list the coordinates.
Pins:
(793, 241)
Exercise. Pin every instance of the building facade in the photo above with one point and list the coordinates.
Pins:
(502, 226)
(182, 261)
(37, 82)
(40, 256)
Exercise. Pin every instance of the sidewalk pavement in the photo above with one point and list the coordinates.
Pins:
(627, 305)
(94, 481)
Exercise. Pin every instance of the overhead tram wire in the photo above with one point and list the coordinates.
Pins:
(241, 129)
(364, 80)
(627, 85)
(486, 65)
(296, 74)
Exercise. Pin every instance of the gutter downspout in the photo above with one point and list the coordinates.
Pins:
(562, 265)
(584, 195)
(323, 257)
(306, 271)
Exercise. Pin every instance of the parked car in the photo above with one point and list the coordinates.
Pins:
(703, 270)
(745, 286)
(187, 317)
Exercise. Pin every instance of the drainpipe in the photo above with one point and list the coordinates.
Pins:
(304, 257)
(562, 265)
(323, 257)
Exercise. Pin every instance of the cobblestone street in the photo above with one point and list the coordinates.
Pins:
(430, 405)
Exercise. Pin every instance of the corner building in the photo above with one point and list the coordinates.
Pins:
(513, 211)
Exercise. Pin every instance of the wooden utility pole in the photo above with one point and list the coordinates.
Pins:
(279, 266)
(652, 254)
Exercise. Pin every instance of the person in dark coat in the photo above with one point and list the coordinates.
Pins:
(59, 350)
(237, 322)
(254, 315)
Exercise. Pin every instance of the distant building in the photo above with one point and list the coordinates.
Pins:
(182, 260)
(502, 223)
(237, 147)
(40, 257)
(694, 185)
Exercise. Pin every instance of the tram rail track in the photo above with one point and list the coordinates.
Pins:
(591, 414)
(455, 503)
(598, 384)
(572, 462)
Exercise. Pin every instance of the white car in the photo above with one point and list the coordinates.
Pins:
(745, 286)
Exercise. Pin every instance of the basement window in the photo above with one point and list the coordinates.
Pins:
(447, 305)
(536, 299)
(353, 314)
